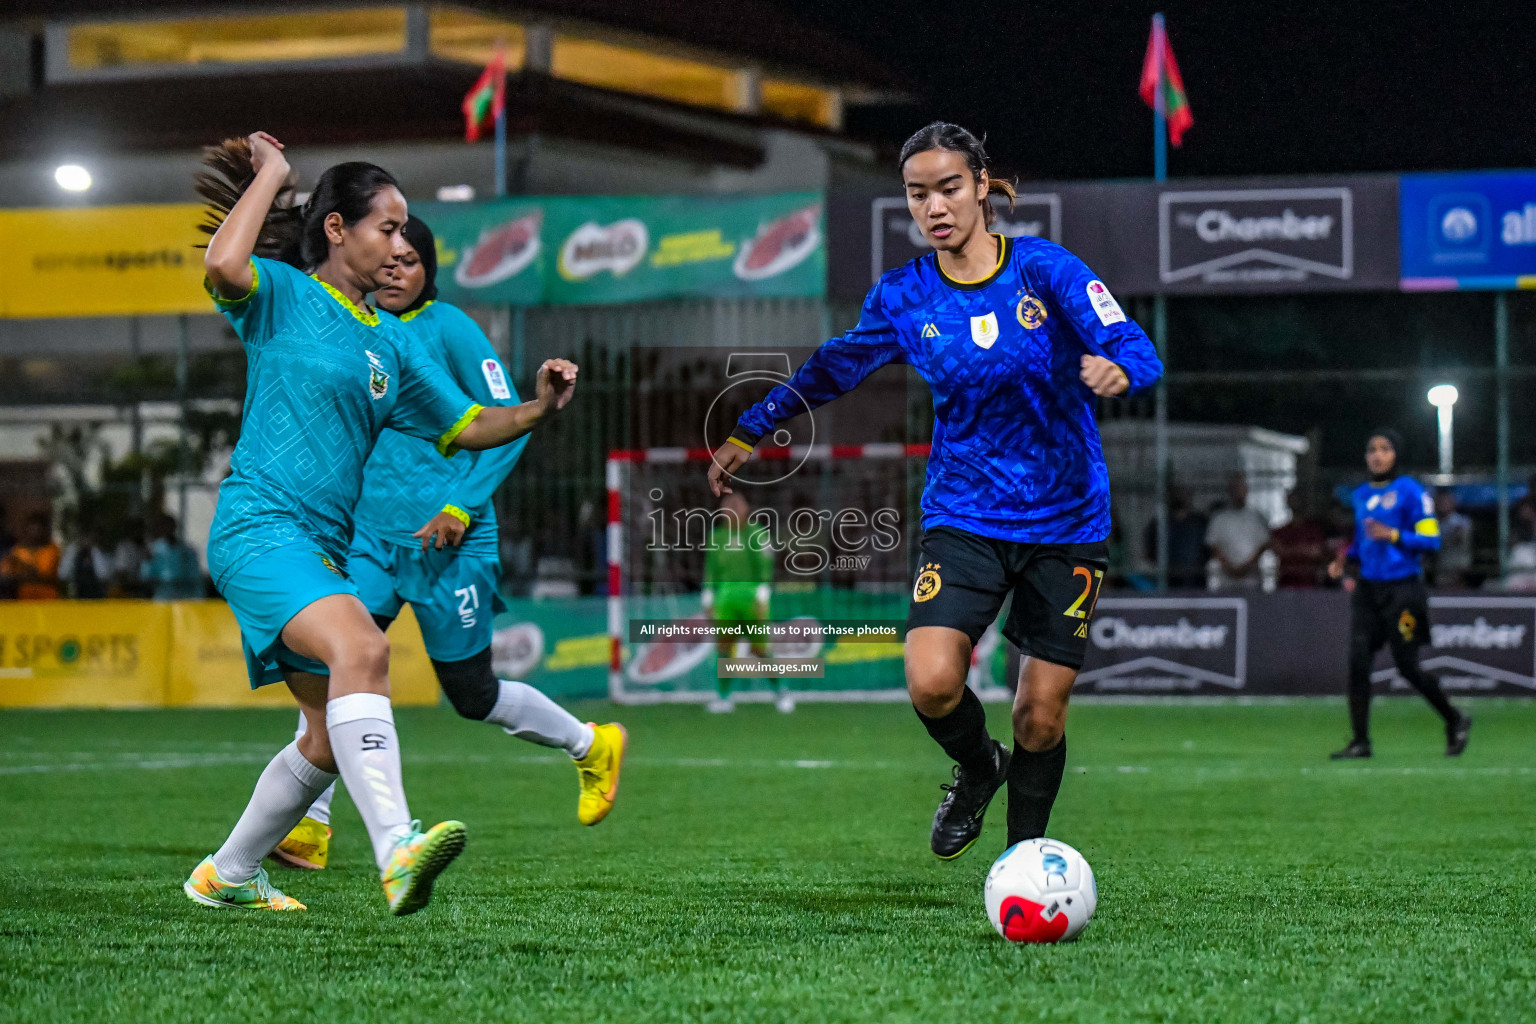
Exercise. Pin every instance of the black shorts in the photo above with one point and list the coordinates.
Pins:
(963, 577)
(1389, 612)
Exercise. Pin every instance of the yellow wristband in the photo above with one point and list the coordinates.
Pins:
(1397, 535)
(740, 443)
(457, 513)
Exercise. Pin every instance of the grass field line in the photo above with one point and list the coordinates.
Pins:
(171, 760)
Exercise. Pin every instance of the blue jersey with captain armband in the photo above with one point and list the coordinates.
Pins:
(1016, 452)
(406, 482)
(1405, 507)
(323, 378)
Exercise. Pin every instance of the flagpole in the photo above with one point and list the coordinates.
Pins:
(1159, 118)
(1160, 321)
(501, 152)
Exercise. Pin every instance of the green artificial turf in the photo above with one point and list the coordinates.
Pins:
(762, 867)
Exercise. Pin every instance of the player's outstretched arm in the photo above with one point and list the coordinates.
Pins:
(227, 261)
(500, 425)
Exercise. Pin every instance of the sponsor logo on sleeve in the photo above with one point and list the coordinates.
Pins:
(495, 379)
(1104, 304)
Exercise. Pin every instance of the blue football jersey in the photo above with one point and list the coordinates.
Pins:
(1015, 452)
(323, 378)
(1407, 508)
(406, 482)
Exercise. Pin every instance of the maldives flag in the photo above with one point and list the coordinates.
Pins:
(1162, 87)
(488, 99)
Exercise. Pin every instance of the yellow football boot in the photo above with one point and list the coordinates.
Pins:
(307, 846)
(599, 772)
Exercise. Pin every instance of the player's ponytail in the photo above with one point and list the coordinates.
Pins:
(227, 172)
(943, 135)
(292, 234)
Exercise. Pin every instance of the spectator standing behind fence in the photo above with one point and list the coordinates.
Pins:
(84, 568)
(172, 569)
(1186, 540)
(1522, 518)
(1238, 538)
(128, 561)
(31, 570)
(1452, 564)
(1301, 546)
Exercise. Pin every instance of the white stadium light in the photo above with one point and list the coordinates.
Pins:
(72, 178)
(1443, 398)
(455, 193)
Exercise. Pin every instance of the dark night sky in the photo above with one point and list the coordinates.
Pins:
(1275, 88)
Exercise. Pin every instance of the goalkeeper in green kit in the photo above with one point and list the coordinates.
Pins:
(738, 583)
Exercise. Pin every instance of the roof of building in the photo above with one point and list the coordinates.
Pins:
(749, 28)
(352, 106)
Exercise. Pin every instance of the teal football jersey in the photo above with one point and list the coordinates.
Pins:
(406, 482)
(323, 379)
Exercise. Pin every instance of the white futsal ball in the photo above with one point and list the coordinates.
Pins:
(1040, 890)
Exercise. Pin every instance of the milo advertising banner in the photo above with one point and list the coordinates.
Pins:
(580, 250)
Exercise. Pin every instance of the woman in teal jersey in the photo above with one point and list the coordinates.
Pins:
(426, 535)
(326, 374)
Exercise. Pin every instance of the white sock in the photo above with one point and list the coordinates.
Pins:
(524, 712)
(363, 741)
(285, 788)
(320, 810)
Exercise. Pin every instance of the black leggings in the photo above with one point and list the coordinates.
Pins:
(470, 685)
(1395, 613)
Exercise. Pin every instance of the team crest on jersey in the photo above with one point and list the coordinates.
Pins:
(378, 380)
(928, 583)
(984, 330)
(1389, 500)
(1031, 312)
(930, 331)
(1373, 502)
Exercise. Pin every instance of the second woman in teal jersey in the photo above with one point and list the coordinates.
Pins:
(426, 535)
(326, 374)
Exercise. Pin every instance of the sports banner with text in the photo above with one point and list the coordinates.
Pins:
(157, 654)
(101, 261)
(584, 250)
(1211, 236)
(1468, 231)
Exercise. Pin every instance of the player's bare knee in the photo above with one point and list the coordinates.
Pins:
(363, 664)
(934, 691)
(1039, 725)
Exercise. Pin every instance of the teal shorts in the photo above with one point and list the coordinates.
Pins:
(455, 594)
(268, 591)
